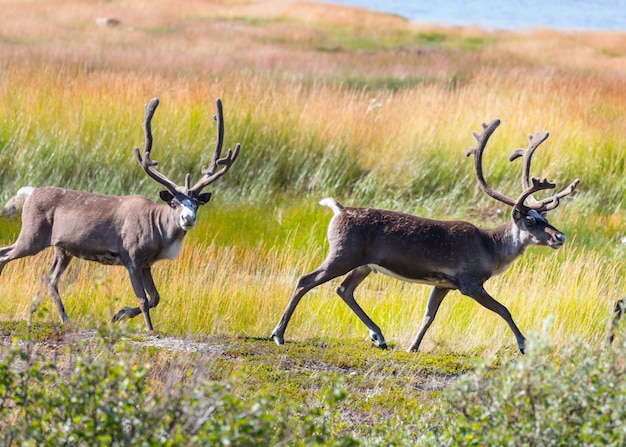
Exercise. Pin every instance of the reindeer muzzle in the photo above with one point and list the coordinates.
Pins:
(557, 239)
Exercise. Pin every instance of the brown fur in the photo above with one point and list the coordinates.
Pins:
(448, 255)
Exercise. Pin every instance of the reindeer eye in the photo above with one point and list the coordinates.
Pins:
(530, 221)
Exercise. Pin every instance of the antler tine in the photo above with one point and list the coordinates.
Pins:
(145, 161)
(526, 154)
(548, 203)
(211, 173)
(552, 202)
(536, 185)
(477, 151)
(219, 117)
(150, 108)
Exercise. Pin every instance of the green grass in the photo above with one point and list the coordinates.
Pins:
(240, 265)
(369, 109)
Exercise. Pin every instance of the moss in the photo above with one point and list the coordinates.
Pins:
(37, 333)
(381, 383)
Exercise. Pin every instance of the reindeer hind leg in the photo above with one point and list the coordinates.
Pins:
(346, 292)
(331, 268)
(28, 243)
(61, 260)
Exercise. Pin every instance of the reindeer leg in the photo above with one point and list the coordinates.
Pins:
(331, 268)
(618, 312)
(136, 279)
(127, 312)
(5, 256)
(148, 282)
(434, 301)
(346, 292)
(20, 249)
(482, 297)
(61, 260)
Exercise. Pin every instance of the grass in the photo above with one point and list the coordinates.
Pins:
(326, 101)
(394, 144)
(231, 291)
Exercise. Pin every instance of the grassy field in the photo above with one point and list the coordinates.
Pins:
(326, 101)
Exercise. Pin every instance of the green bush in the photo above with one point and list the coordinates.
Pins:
(104, 394)
(575, 398)
(108, 398)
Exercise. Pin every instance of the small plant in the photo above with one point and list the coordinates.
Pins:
(104, 396)
(576, 398)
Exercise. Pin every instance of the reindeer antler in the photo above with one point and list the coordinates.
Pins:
(526, 154)
(145, 161)
(551, 202)
(529, 185)
(211, 173)
(536, 185)
(477, 152)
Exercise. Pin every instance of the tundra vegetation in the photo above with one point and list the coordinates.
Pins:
(326, 101)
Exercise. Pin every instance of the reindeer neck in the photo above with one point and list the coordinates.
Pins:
(167, 219)
(507, 244)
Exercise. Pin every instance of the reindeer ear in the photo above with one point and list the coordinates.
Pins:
(517, 214)
(166, 196)
(204, 198)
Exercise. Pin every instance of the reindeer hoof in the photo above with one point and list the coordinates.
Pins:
(121, 315)
(379, 340)
(278, 339)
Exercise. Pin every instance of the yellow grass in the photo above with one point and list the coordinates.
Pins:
(281, 68)
(227, 290)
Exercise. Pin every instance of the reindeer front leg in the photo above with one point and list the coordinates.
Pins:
(150, 287)
(137, 281)
(434, 301)
(481, 296)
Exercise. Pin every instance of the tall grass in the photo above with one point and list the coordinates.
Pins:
(71, 117)
(238, 269)
(317, 139)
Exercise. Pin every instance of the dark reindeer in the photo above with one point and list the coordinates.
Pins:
(131, 231)
(618, 313)
(449, 255)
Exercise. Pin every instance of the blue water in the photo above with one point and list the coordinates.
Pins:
(580, 15)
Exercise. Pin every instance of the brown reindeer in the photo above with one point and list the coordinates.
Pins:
(132, 231)
(449, 255)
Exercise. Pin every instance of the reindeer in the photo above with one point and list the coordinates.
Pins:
(449, 255)
(132, 231)
(618, 312)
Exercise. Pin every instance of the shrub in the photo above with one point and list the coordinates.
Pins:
(576, 398)
(110, 399)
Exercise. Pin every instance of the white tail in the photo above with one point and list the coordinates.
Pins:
(16, 203)
(331, 203)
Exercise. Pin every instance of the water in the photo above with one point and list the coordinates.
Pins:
(580, 15)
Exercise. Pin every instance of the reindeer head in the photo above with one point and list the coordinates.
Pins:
(529, 219)
(186, 200)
